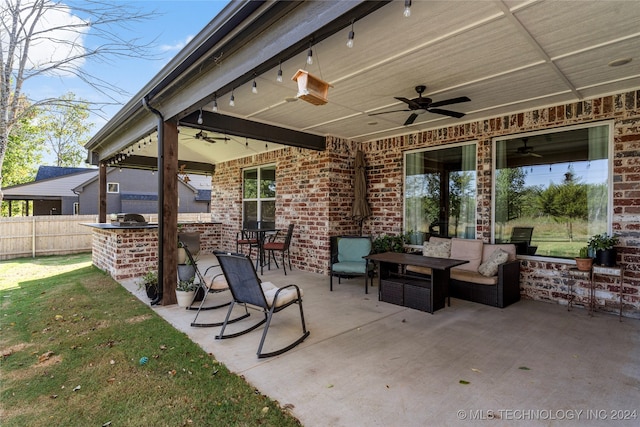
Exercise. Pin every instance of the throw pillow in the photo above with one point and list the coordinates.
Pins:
(437, 249)
(490, 267)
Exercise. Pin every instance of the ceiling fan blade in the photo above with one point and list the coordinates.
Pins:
(412, 104)
(385, 112)
(532, 154)
(450, 101)
(446, 112)
(411, 119)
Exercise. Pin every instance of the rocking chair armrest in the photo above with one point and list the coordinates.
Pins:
(209, 268)
(286, 287)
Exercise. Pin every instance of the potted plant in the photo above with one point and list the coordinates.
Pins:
(185, 291)
(386, 243)
(604, 247)
(150, 283)
(584, 261)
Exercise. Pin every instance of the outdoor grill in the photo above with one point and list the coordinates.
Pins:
(129, 220)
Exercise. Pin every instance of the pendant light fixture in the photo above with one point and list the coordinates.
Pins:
(407, 8)
(351, 37)
(254, 86)
(232, 100)
(279, 77)
(310, 56)
(215, 104)
(200, 121)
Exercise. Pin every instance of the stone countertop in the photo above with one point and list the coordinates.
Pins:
(109, 226)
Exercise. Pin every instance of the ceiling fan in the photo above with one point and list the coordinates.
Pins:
(526, 150)
(422, 105)
(212, 139)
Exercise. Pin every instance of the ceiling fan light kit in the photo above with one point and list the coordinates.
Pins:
(312, 89)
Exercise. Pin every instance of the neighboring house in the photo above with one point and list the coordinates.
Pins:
(74, 191)
(134, 190)
(51, 192)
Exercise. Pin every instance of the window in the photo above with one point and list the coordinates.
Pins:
(557, 182)
(440, 191)
(259, 196)
(113, 187)
(76, 208)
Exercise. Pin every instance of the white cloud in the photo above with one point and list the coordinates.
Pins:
(53, 46)
(177, 46)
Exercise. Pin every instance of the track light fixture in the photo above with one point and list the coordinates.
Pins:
(279, 77)
(232, 100)
(351, 37)
(200, 117)
(407, 8)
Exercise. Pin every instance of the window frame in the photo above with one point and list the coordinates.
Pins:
(111, 185)
(610, 153)
(258, 199)
(472, 142)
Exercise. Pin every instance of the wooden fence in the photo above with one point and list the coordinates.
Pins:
(54, 235)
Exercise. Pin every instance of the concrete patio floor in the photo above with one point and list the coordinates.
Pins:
(370, 363)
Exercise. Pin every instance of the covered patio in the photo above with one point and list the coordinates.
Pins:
(528, 68)
(376, 364)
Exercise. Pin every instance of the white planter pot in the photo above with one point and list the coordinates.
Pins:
(184, 298)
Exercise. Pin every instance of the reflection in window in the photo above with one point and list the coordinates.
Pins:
(440, 191)
(259, 194)
(555, 182)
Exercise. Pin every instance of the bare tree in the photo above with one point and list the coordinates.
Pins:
(49, 38)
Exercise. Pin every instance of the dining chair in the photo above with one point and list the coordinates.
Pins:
(280, 246)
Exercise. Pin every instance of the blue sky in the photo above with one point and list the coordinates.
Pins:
(177, 22)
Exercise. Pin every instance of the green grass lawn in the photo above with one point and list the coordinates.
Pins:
(71, 342)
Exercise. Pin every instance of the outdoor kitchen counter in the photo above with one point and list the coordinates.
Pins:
(129, 251)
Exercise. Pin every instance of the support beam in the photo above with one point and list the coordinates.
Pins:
(102, 193)
(220, 123)
(168, 215)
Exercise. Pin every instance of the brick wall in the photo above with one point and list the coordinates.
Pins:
(129, 253)
(540, 280)
(315, 189)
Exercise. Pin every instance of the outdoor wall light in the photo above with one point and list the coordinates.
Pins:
(351, 36)
(407, 8)
(232, 100)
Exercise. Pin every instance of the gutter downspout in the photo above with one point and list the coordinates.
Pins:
(145, 103)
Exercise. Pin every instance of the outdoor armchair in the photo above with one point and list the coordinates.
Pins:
(248, 290)
(347, 259)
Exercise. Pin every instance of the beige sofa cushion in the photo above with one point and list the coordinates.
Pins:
(467, 249)
(473, 277)
(418, 269)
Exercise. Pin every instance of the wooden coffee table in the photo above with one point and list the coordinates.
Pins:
(422, 293)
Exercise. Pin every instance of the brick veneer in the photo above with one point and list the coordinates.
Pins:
(315, 189)
(129, 253)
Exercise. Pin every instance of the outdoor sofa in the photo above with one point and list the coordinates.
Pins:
(492, 275)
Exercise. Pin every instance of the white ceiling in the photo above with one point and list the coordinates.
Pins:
(507, 56)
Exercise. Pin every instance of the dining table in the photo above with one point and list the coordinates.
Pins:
(261, 234)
